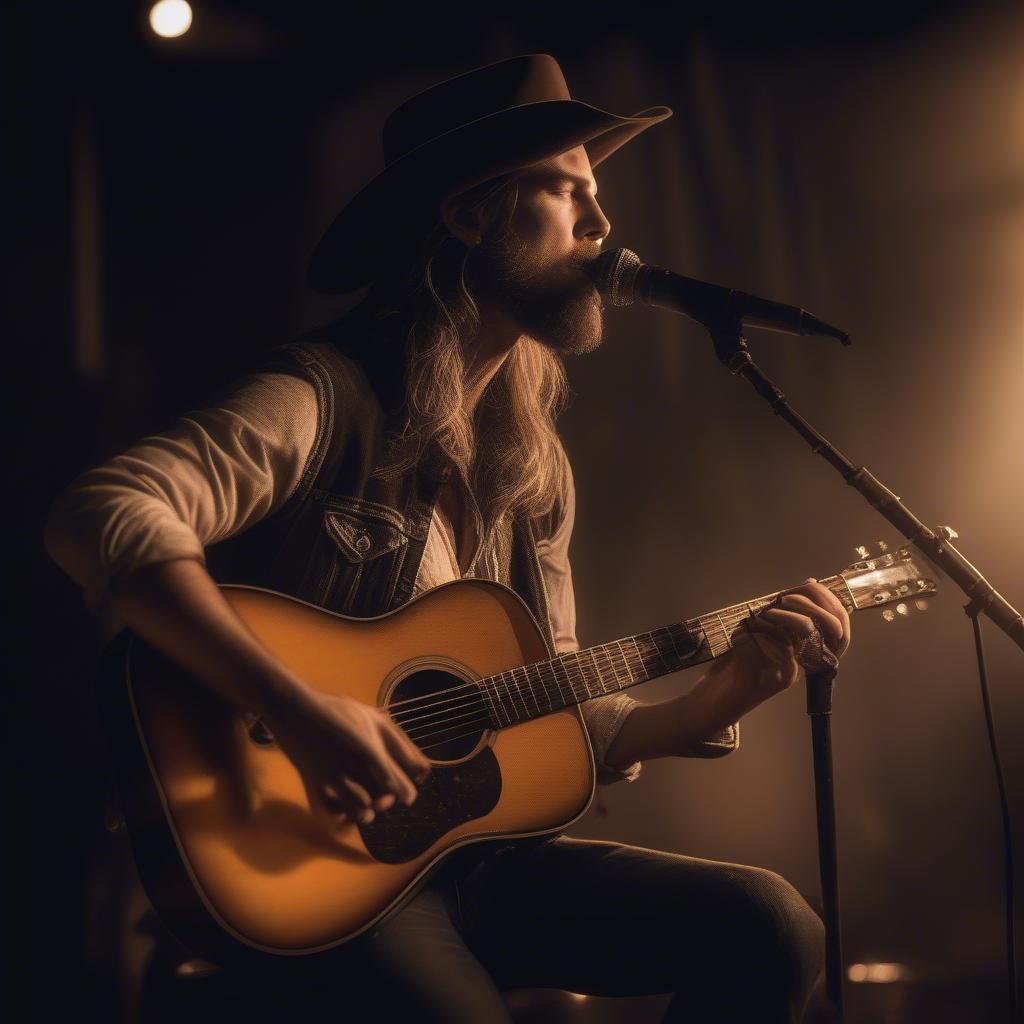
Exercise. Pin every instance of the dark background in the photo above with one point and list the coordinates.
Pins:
(866, 165)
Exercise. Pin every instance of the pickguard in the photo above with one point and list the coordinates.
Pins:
(451, 795)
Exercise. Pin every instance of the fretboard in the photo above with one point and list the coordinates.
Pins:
(530, 691)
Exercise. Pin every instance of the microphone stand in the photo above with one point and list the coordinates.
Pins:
(731, 349)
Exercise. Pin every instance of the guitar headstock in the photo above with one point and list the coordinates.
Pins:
(891, 580)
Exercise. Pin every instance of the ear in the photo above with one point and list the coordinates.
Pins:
(464, 223)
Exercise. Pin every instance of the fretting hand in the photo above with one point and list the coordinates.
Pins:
(806, 629)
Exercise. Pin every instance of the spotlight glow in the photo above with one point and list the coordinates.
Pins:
(876, 973)
(170, 18)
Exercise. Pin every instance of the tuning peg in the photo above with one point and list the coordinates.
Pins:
(900, 610)
(947, 532)
(882, 546)
(861, 551)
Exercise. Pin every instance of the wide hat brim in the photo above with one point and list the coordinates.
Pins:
(374, 230)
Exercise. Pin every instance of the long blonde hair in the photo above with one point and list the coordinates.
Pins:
(508, 451)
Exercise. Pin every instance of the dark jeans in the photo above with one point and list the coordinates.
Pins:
(734, 943)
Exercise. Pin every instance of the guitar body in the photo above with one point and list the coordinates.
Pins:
(227, 848)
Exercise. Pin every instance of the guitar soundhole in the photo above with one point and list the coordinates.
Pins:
(443, 715)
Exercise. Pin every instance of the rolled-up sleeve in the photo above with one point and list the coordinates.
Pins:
(603, 715)
(217, 471)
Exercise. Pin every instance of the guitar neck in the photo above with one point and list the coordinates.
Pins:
(532, 691)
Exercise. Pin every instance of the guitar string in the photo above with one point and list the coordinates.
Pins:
(543, 672)
(485, 722)
(477, 724)
(547, 666)
(479, 704)
(429, 730)
(733, 614)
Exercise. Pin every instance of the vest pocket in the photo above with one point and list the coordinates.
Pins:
(363, 546)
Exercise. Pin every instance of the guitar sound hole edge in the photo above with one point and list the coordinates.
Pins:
(469, 730)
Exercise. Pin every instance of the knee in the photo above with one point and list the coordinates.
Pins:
(790, 933)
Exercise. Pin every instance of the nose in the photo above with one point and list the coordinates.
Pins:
(593, 224)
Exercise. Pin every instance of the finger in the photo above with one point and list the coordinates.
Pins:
(821, 595)
(380, 802)
(408, 755)
(346, 794)
(357, 798)
(323, 803)
(793, 625)
(830, 625)
(773, 641)
(388, 775)
(781, 668)
(370, 768)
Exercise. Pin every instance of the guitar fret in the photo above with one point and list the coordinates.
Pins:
(658, 651)
(642, 674)
(567, 688)
(487, 690)
(528, 687)
(597, 667)
(625, 663)
(725, 632)
(539, 679)
(508, 689)
(554, 675)
(569, 681)
(606, 652)
(641, 659)
(672, 641)
(515, 683)
(709, 634)
(582, 674)
(609, 656)
(503, 699)
(609, 668)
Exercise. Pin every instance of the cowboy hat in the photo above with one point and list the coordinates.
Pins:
(450, 137)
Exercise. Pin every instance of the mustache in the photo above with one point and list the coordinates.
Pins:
(583, 261)
(509, 263)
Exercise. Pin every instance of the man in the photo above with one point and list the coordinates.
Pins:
(414, 443)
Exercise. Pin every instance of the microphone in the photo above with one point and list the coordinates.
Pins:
(623, 279)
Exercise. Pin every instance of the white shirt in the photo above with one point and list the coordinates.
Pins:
(220, 470)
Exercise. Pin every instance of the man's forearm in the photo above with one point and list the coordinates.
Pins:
(670, 727)
(178, 608)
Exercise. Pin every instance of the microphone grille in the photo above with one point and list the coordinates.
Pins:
(614, 273)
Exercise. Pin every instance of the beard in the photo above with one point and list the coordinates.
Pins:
(555, 304)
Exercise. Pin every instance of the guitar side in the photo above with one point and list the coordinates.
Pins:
(226, 846)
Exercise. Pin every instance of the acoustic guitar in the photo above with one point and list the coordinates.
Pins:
(227, 848)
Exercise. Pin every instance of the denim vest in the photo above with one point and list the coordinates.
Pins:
(348, 540)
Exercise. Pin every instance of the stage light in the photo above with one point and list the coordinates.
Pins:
(170, 18)
(876, 973)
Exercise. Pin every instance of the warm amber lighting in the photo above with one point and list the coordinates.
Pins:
(876, 973)
(170, 18)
